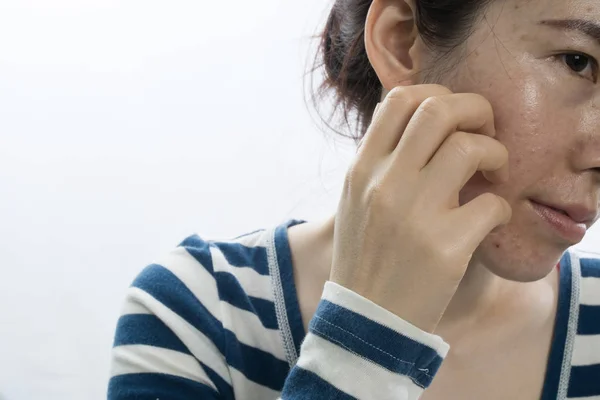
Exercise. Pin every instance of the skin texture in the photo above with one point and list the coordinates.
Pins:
(548, 118)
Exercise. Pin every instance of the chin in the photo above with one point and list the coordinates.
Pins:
(517, 257)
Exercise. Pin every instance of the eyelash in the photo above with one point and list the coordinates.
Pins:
(593, 64)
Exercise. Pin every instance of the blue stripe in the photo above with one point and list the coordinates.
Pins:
(228, 286)
(590, 267)
(257, 365)
(589, 320)
(239, 255)
(157, 386)
(584, 381)
(200, 250)
(224, 388)
(236, 254)
(391, 350)
(232, 292)
(303, 384)
(555, 358)
(286, 273)
(165, 287)
(147, 330)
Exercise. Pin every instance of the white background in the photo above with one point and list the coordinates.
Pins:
(124, 127)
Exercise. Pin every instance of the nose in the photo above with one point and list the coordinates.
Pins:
(586, 155)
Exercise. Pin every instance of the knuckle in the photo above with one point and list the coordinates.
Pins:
(462, 143)
(493, 202)
(503, 150)
(412, 102)
(398, 93)
(404, 96)
(434, 107)
(485, 103)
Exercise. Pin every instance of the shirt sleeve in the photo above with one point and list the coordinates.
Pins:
(170, 344)
(356, 348)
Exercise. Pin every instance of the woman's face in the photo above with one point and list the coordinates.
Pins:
(547, 108)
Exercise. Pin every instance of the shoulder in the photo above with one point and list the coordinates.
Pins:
(200, 268)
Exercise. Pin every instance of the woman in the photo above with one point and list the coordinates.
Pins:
(444, 272)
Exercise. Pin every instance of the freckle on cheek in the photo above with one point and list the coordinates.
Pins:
(497, 245)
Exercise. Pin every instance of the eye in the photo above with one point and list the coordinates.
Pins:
(582, 64)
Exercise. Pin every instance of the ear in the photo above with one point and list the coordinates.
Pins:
(392, 42)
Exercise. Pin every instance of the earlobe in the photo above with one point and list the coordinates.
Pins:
(390, 38)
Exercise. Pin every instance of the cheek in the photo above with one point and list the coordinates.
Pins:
(527, 124)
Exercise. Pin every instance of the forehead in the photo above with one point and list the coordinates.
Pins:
(510, 17)
(547, 9)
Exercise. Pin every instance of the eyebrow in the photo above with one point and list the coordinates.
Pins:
(589, 28)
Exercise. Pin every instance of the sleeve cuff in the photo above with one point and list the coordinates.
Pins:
(359, 325)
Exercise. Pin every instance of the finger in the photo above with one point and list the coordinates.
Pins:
(460, 156)
(437, 118)
(475, 220)
(392, 116)
(376, 109)
(360, 142)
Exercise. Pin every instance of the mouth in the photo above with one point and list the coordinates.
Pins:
(560, 222)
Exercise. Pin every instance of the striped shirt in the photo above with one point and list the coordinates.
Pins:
(221, 320)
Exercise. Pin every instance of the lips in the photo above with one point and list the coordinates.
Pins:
(562, 219)
(578, 212)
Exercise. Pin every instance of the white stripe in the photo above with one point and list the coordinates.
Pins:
(253, 283)
(590, 291)
(246, 325)
(352, 301)
(197, 343)
(195, 277)
(249, 330)
(586, 350)
(244, 388)
(139, 359)
(133, 307)
(353, 374)
(584, 398)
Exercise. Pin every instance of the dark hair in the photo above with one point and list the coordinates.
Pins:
(442, 24)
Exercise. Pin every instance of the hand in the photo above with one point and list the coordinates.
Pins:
(401, 238)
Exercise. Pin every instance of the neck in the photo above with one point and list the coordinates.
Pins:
(478, 292)
(482, 297)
